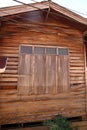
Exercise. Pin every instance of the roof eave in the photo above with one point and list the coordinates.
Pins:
(39, 6)
(23, 8)
(69, 13)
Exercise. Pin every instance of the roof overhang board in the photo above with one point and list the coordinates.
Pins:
(23, 8)
(69, 13)
(40, 6)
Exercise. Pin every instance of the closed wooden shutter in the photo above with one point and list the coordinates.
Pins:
(63, 73)
(25, 83)
(51, 74)
(39, 81)
(43, 73)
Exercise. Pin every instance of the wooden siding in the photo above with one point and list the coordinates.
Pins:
(54, 33)
(81, 125)
(8, 79)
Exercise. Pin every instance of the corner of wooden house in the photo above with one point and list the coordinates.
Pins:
(43, 65)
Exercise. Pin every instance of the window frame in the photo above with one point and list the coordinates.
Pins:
(45, 47)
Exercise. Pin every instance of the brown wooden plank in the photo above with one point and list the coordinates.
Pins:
(33, 128)
(63, 73)
(51, 74)
(39, 74)
(7, 84)
(8, 79)
(81, 125)
(25, 74)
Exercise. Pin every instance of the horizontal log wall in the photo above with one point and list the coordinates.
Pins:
(81, 125)
(52, 33)
(8, 79)
(10, 48)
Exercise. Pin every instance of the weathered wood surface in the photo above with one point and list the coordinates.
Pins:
(82, 125)
(23, 8)
(42, 74)
(67, 13)
(39, 6)
(15, 107)
(34, 128)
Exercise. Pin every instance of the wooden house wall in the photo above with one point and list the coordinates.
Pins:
(17, 108)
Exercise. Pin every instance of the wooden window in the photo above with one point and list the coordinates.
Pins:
(26, 49)
(51, 50)
(45, 71)
(39, 50)
(62, 51)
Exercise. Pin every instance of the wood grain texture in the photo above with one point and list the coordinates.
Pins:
(39, 6)
(30, 104)
(82, 125)
(51, 74)
(44, 73)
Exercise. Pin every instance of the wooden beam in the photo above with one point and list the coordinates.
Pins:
(69, 13)
(34, 128)
(22, 8)
(82, 125)
(85, 73)
(39, 6)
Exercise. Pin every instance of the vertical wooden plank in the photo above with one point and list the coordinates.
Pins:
(40, 74)
(85, 55)
(50, 74)
(63, 71)
(59, 81)
(25, 74)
